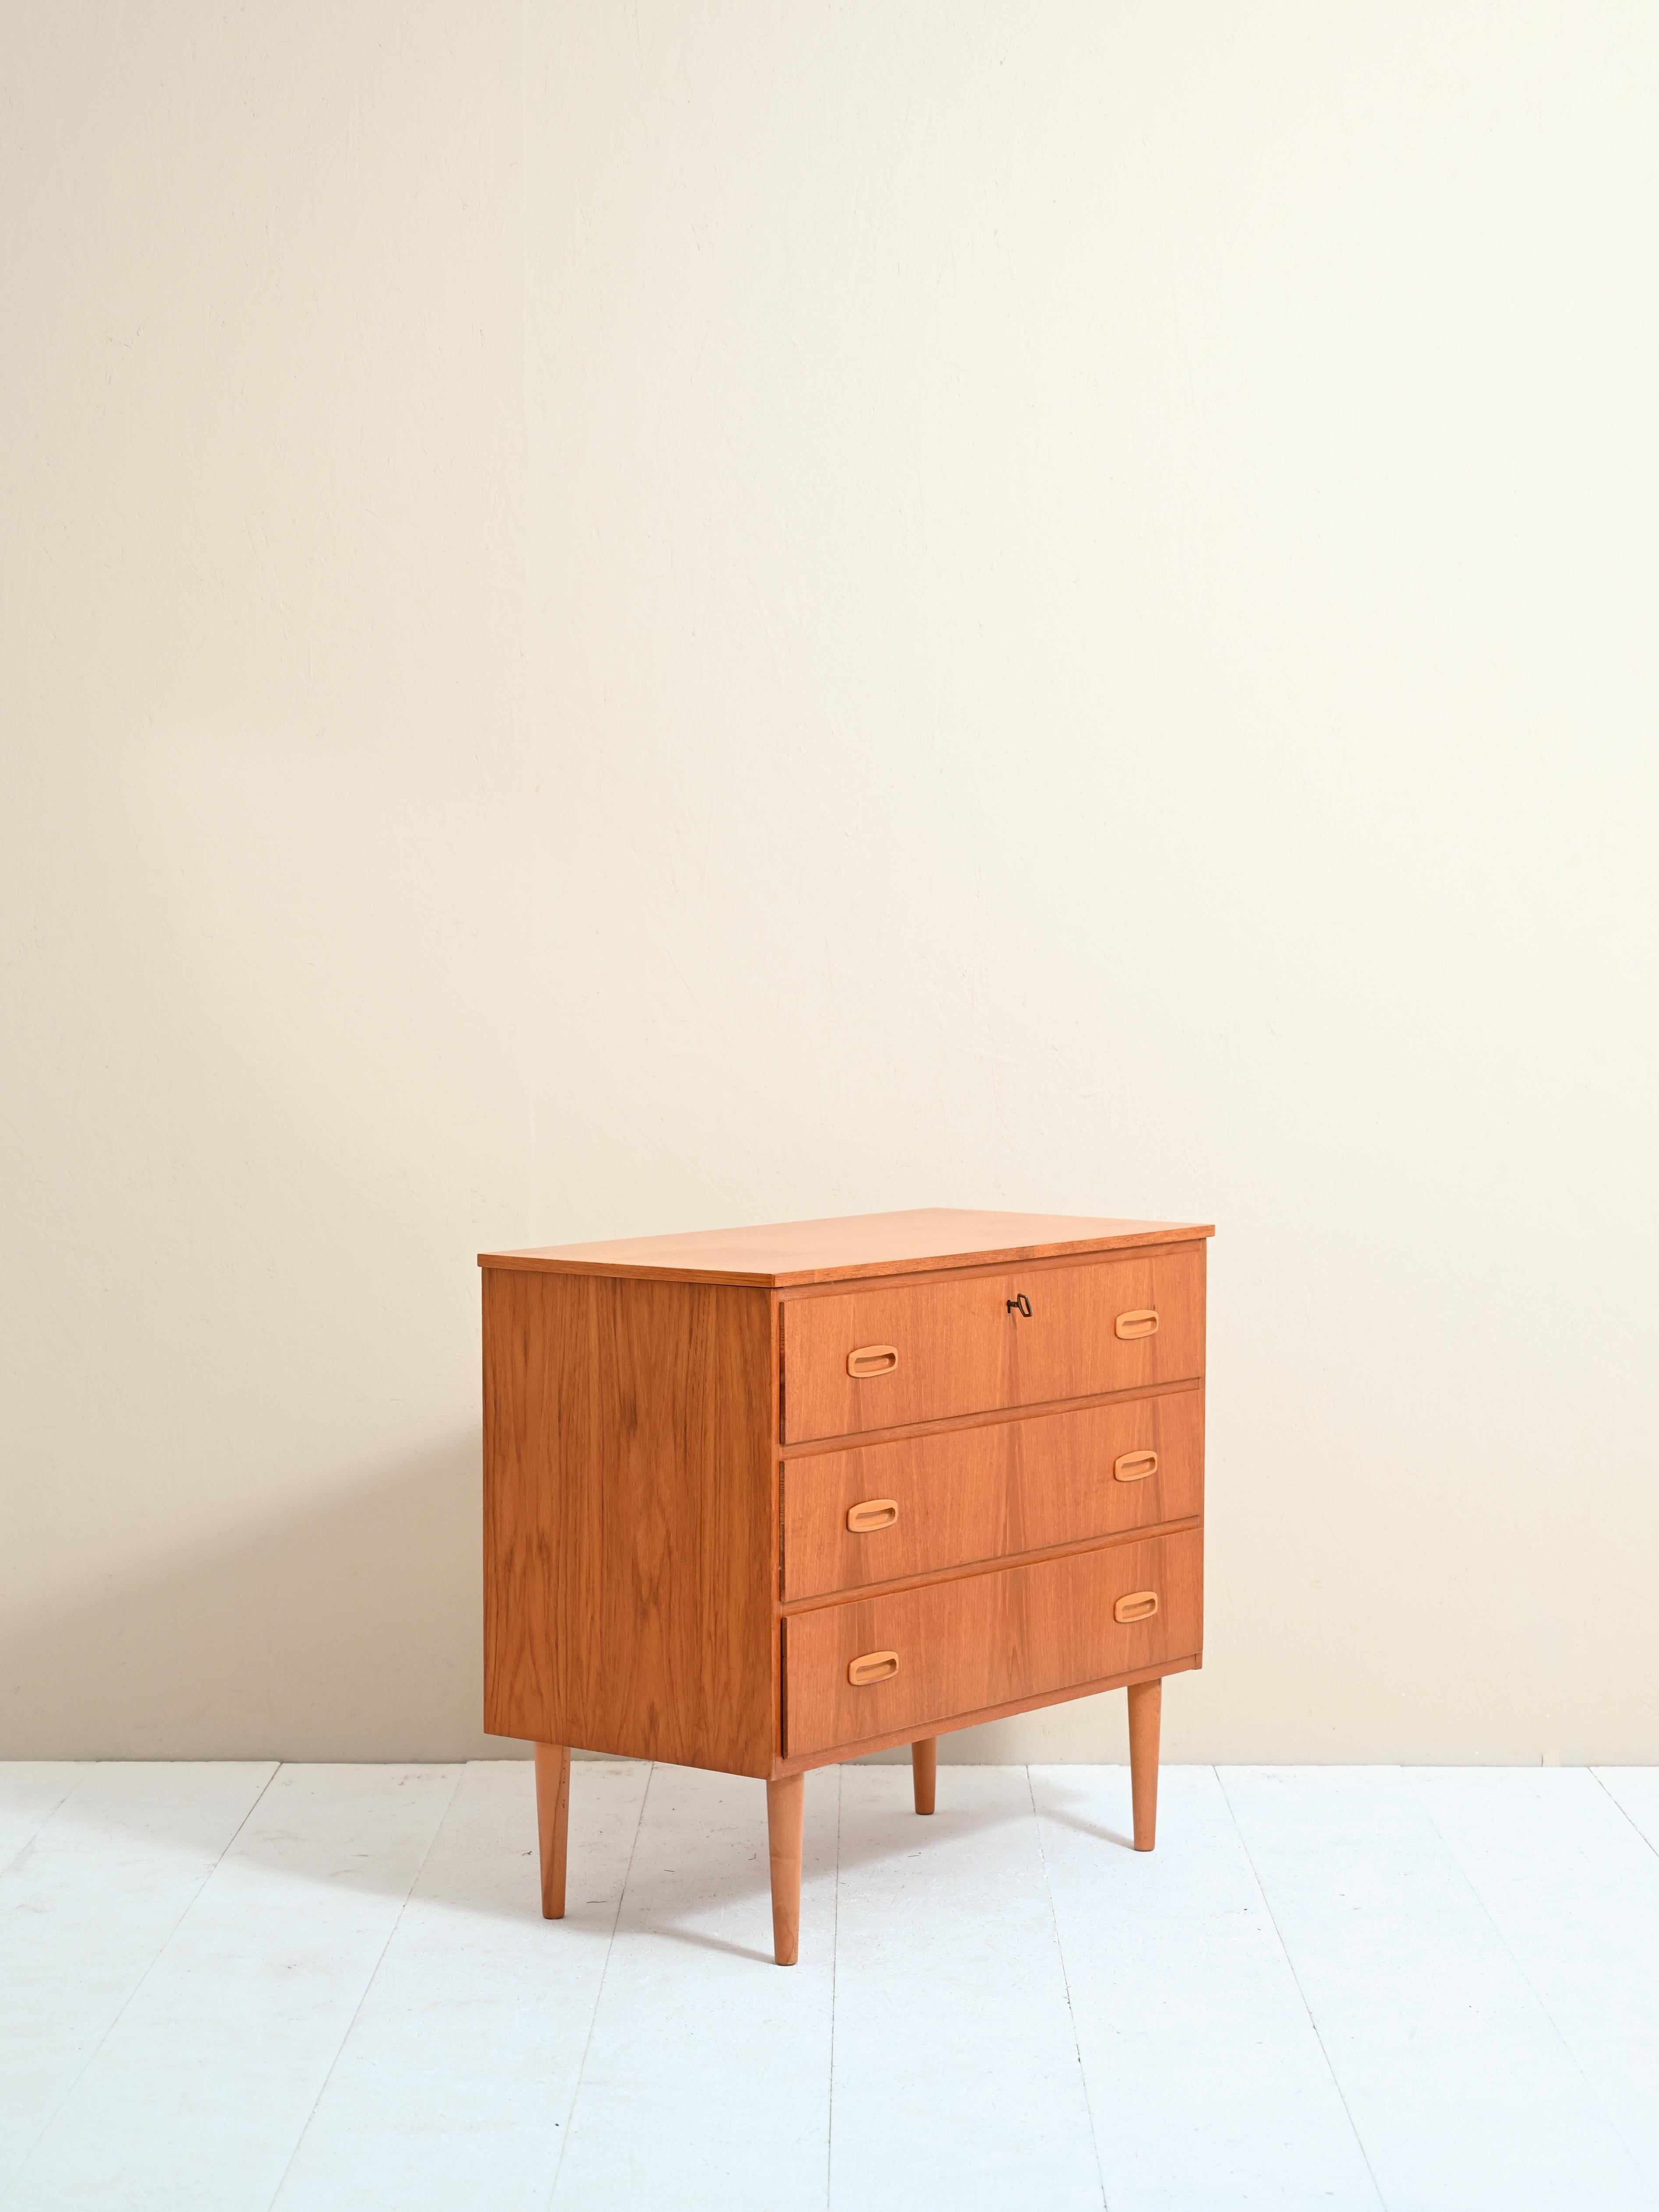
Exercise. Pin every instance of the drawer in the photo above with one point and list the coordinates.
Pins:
(880, 1357)
(951, 1500)
(988, 1639)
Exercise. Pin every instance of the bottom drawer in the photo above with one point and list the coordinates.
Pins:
(986, 1639)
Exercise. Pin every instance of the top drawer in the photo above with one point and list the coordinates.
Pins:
(896, 1352)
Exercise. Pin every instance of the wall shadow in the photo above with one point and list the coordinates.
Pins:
(348, 1628)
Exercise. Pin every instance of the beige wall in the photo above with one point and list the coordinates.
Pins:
(622, 618)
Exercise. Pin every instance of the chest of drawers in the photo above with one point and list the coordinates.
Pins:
(760, 1499)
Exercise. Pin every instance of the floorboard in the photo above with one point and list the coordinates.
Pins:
(1573, 1890)
(707, 2078)
(86, 1906)
(1206, 2079)
(957, 2078)
(1461, 2089)
(330, 1989)
(1635, 1791)
(455, 2082)
(30, 1790)
(197, 2097)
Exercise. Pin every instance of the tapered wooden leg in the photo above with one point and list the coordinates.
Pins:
(924, 1771)
(553, 1822)
(786, 1803)
(1146, 1706)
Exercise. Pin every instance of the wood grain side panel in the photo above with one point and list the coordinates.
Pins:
(966, 1495)
(964, 1346)
(988, 1639)
(630, 1518)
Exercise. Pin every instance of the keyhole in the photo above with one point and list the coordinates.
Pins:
(1022, 1305)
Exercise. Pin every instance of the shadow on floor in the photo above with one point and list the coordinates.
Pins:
(346, 1630)
(888, 1826)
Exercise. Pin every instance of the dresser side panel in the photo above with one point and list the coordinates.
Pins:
(630, 1518)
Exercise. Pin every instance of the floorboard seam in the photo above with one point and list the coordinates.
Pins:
(184, 1912)
(599, 1994)
(369, 1983)
(1272, 1922)
(1536, 1994)
(1066, 1986)
(20, 1857)
(1624, 1812)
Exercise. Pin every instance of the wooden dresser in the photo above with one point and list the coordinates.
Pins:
(760, 1499)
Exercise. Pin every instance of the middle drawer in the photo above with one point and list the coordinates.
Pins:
(951, 1500)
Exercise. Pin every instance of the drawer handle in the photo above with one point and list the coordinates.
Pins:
(1139, 1605)
(872, 1359)
(1141, 1323)
(874, 1513)
(1134, 1466)
(874, 1666)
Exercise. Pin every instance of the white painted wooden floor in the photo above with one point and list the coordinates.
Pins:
(242, 1986)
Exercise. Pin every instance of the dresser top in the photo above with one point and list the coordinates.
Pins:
(780, 1253)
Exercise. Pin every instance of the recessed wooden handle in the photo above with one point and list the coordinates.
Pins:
(874, 1666)
(874, 1513)
(872, 1359)
(1143, 1322)
(1134, 1466)
(1139, 1605)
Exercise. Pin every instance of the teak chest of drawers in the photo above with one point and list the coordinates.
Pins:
(760, 1499)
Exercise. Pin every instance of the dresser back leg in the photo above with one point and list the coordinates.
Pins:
(553, 1822)
(924, 1771)
(786, 1804)
(1146, 1707)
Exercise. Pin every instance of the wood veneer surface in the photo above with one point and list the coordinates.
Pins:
(989, 1639)
(892, 1738)
(962, 1348)
(778, 1253)
(630, 1540)
(967, 1495)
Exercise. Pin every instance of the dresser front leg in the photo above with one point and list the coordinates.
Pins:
(553, 1822)
(786, 1804)
(1146, 1706)
(924, 1771)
